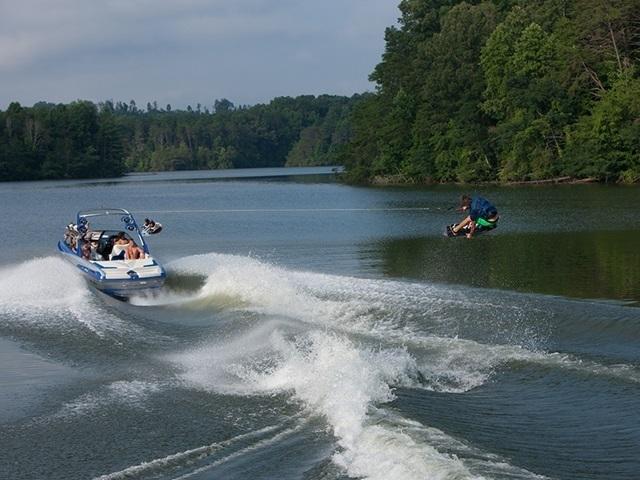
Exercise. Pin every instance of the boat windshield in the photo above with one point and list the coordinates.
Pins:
(111, 221)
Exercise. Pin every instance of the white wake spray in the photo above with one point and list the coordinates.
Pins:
(339, 346)
(48, 294)
(423, 317)
(333, 377)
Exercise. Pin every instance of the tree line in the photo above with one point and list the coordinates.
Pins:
(87, 140)
(508, 90)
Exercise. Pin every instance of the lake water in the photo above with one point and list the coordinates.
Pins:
(313, 330)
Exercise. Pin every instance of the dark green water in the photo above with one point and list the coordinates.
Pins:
(604, 265)
(315, 330)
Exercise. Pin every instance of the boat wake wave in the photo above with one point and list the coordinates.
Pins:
(45, 298)
(456, 340)
(338, 347)
(190, 459)
(346, 383)
(341, 346)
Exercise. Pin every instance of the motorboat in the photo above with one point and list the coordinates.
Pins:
(108, 248)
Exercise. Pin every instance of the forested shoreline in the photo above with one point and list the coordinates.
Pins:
(467, 91)
(503, 90)
(87, 140)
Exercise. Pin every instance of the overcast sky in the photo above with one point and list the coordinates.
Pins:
(188, 51)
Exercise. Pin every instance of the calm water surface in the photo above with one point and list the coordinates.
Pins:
(320, 331)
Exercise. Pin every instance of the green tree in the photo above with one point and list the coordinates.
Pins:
(606, 143)
(449, 134)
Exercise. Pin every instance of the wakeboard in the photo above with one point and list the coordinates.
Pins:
(448, 232)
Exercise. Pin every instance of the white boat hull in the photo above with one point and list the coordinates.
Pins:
(121, 278)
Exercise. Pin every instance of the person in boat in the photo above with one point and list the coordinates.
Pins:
(71, 235)
(482, 214)
(86, 250)
(93, 249)
(120, 245)
(134, 252)
(89, 250)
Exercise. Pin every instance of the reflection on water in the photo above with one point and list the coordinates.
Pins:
(584, 265)
(301, 175)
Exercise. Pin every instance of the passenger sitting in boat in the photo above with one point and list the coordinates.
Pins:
(86, 250)
(94, 251)
(71, 235)
(120, 245)
(134, 252)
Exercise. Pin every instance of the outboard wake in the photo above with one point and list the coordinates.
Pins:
(334, 348)
(340, 347)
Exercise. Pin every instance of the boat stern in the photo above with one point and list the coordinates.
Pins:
(123, 277)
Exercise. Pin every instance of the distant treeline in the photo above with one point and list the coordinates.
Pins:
(512, 90)
(85, 140)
